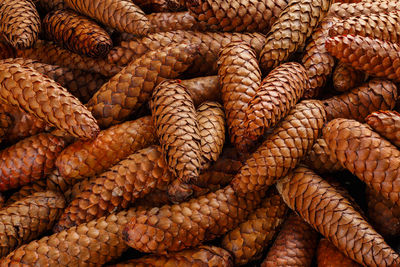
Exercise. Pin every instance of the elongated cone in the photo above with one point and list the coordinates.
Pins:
(319, 159)
(124, 93)
(77, 33)
(240, 78)
(205, 218)
(19, 22)
(374, 57)
(365, 154)
(210, 44)
(278, 94)
(387, 124)
(248, 240)
(202, 89)
(237, 15)
(384, 215)
(316, 59)
(121, 15)
(200, 256)
(5, 124)
(117, 188)
(48, 52)
(286, 146)
(28, 160)
(380, 26)
(173, 21)
(293, 26)
(89, 158)
(49, 5)
(40, 96)
(26, 191)
(323, 207)
(89, 244)
(356, 104)
(329, 256)
(294, 246)
(347, 10)
(346, 78)
(28, 218)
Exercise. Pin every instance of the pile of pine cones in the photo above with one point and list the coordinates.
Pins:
(199, 133)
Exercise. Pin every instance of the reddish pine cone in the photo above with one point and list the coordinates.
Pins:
(387, 124)
(347, 10)
(319, 159)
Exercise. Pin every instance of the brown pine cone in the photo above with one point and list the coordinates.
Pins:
(203, 89)
(374, 57)
(77, 33)
(384, 215)
(26, 191)
(48, 52)
(210, 43)
(19, 22)
(294, 246)
(316, 59)
(240, 78)
(365, 154)
(293, 26)
(329, 256)
(49, 5)
(89, 158)
(124, 93)
(237, 15)
(117, 188)
(346, 78)
(347, 10)
(331, 214)
(248, 240)
(356, 104)
(286, 146)
(29, 160)
(121, 15)
(277, 95)
(173, 21)
(28, 218)
(387, 124)
(89, 244)
(204, 218)
(40, 96)
(319, 160)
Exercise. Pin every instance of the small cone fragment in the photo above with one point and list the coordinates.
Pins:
(329, 256)
(319, 160)
(347, 10)
(26, 191)
(331, 214)
(294, 246)
(387, 124)
(77, 33)
(346, 78)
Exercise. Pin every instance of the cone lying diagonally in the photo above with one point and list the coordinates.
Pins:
(346, 78)
(387, 124)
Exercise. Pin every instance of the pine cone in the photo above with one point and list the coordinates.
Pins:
(319, 160)
(387, 124)
(346, 78)
(173, 21)
(203, 89)
(329, 256)
(347, 10)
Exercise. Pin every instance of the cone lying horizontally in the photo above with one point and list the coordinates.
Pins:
(346, 10)
(377, 165)
(319, 160)
(327, 211)
(19, 22)
(247, 241)
(294, 246)
(329, 256)
(28, 218)
(346, 78)
(289, 142)
(77, 33)
(387, 124)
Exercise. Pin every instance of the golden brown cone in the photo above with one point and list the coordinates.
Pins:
(77, 33)
(374, 57)
(202, 89)
(319, 160)
(294, 246)
(356, 104)
(28, 160)
(124, 93)
(40, 96)
(365, 154)
(26, 191)
(278, 93)
(331, 214)
(86, 159)
(19, 22)
(387, 124)
(346, 78)
(286, 146)
(28, 218)
(248, 240)
(49, 5)
(89, 244)
(329, 256)
(346, 10)
(159, 229)
(121, 15)
(173, 21)
(316, 59)
(290, 31)
(240, 78)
